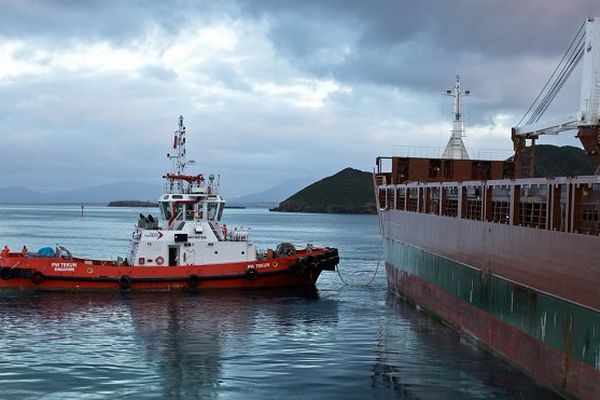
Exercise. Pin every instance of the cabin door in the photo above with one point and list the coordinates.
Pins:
(173, 256)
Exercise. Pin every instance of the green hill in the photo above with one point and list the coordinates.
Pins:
(350, 191)
(553, 161)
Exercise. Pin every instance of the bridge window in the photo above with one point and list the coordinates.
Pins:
(212, 212)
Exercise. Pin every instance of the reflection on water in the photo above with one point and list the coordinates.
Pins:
(349, 342)
(188, 337)
(171, 345)
(448, 367)
(240, 345)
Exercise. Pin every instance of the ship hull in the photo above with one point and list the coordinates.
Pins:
(525, 309)
(39, 273)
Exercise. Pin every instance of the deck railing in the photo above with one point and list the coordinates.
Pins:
(565, 204)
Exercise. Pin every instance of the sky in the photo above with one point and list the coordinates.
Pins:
(91, 91)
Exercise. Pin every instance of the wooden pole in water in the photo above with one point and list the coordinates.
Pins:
(82, 209)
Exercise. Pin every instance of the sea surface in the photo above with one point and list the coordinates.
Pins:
(347, 339)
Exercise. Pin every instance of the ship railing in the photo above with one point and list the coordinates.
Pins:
(239, 234)
(565, 204)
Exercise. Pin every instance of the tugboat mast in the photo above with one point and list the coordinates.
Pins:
(179, 157)
(176, 179)
(455, 148)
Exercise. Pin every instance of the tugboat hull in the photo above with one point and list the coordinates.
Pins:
(38, 273)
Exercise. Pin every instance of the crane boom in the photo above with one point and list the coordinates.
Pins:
(589, 103)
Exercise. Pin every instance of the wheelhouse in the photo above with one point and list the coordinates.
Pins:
(191, 207)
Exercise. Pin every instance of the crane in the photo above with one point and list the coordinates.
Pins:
(584, 47)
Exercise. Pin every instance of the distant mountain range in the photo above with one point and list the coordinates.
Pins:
(273, 195)
(93, 194)
(349, 190)
(137, 191)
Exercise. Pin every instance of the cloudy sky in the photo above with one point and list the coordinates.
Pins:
(90, 91)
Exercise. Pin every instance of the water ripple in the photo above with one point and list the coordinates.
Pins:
(350, 342)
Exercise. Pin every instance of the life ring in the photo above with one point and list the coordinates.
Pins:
(125, 282)
(193, 281)
(159, 260)
(37, 278)
(6, 273)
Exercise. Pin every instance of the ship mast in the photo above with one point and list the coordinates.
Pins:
(176, 179)
(455, 148)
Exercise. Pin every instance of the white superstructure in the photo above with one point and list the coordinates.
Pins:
(189, 231)
(455, 149)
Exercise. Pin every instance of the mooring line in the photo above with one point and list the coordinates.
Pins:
(368, 284)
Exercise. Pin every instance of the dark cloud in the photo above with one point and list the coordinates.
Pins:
(393, 58)
(422, 45)
(112, 20)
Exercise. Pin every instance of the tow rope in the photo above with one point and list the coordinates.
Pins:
(368, 284)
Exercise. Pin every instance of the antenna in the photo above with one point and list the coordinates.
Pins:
(456, 148)
(179, 148)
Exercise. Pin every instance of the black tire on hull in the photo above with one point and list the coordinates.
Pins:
(37, 278)
(193, 281)
(6, 273)
(251, 273)
(297, 266)
(125, 282)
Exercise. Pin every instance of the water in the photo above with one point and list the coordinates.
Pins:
(335, 342)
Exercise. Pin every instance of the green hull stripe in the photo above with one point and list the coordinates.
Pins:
(558, 323)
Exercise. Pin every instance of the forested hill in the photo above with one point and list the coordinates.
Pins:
(551, 161)
(348, 191)
(351, 190)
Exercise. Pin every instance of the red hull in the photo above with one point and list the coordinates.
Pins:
(535, 258)
(544, 363)
(37, 273)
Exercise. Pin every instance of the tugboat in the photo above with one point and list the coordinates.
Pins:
(188, 248)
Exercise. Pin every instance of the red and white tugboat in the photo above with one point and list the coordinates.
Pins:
(188, 248)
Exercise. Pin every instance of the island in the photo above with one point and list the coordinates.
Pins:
(132, 203)
(350, 191)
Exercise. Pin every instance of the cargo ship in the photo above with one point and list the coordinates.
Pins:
(188, 247)
(506, 258)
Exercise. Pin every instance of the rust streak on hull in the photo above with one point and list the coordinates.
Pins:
(545, 364)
